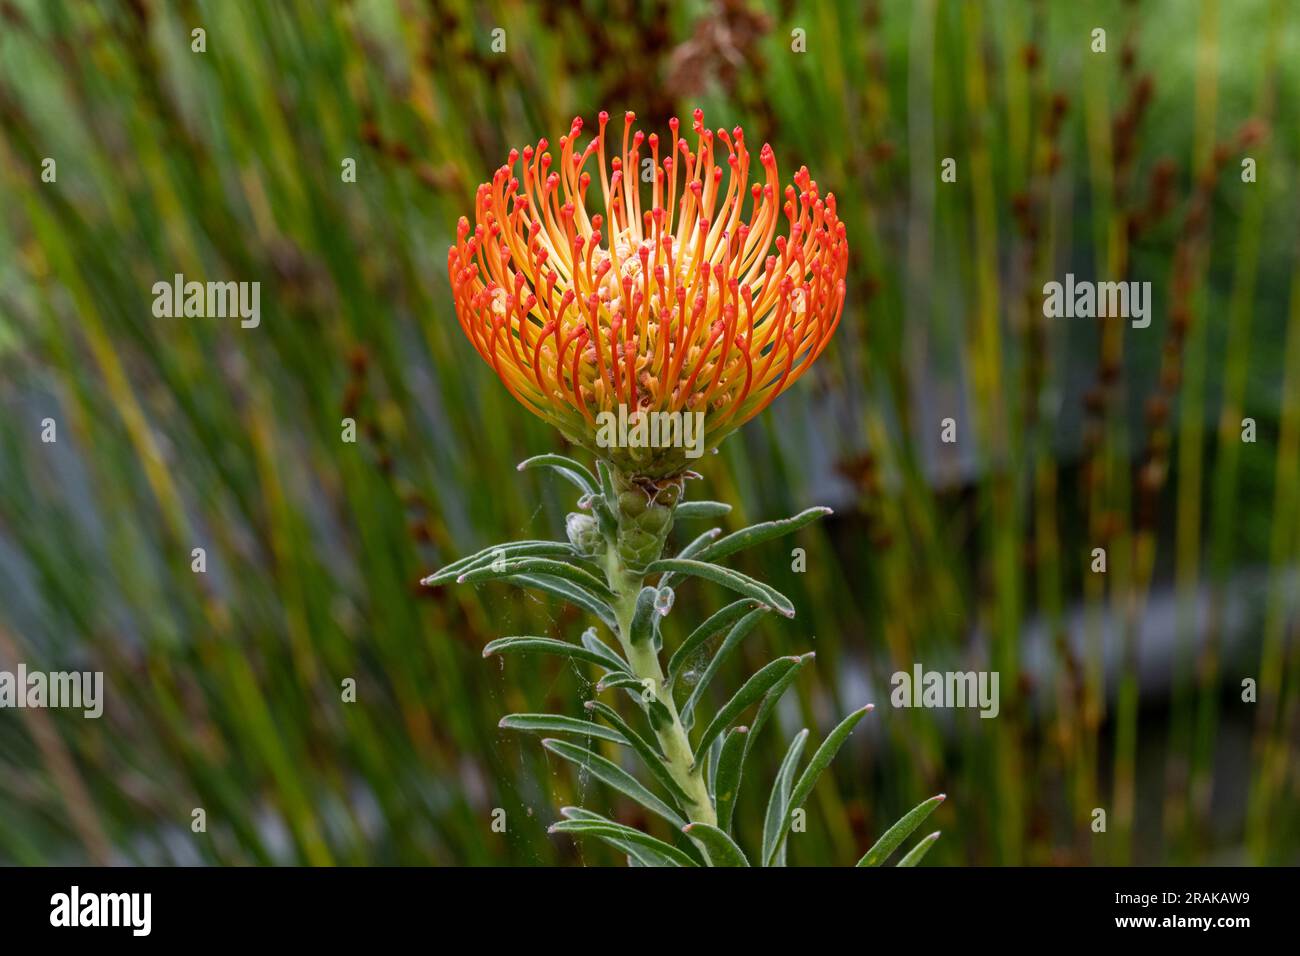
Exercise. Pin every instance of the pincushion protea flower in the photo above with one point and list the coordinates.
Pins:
(684, 312)
(690, 304)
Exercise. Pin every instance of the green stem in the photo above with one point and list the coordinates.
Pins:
(644, 661)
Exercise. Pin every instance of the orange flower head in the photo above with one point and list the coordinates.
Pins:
(646, 335)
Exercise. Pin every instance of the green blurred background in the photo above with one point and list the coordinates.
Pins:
(1120, 691)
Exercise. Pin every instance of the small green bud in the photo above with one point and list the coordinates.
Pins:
(584, 534)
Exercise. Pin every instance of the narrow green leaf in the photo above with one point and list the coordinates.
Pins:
(541, 645)
(659, 716)
(737, 634)
(915, 854)
(779, 802)
(547, 566)
(699, 543)
(692, 549)
(643, 686)
(571, 593)
(532, 549)
(711, 761)
(702, 509)
(615, 776)
(740, 583)
(819, 762)
(559, 724)
(726, 779)
(487, 555)
(637, 855)
(604, 516)
(615, 665)
(610, 831)
(753, 689)
(893, 838)
(758, 533)
(574, 471)
(716, 623)
(623, 727)
(539, 549)
(605, 504)
(650, 755)
(606, 483)
(719, 848)
(643, 691)
(593, 643)
(773, 697)
(582, 813)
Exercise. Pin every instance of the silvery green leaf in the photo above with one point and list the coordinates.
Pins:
(808, 779)
(637, 855)
(624, 728)
(606, 483)
(702, 509)
(615, 665)
(711, 760)
(740, 583)
(574, 471)
(716, 622)
(593, 643)
(893, 838)
(692, 549)
(659, 716)
(525, 549)
(604, 516)
(751, 691)
(532, 566)
(719, 848)
(615, 776)
(779, 802)
(921, 849)
(605, 504)
(559, 724)
(726, 779)
(497, 551)
(541, 645)
(642, 690)
(609, 831)
(758, 533)
(643, 686)
(737, 634)
(650, 755)
(571, 593)
(773, 697)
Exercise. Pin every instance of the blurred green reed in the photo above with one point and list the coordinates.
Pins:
(224, 688)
